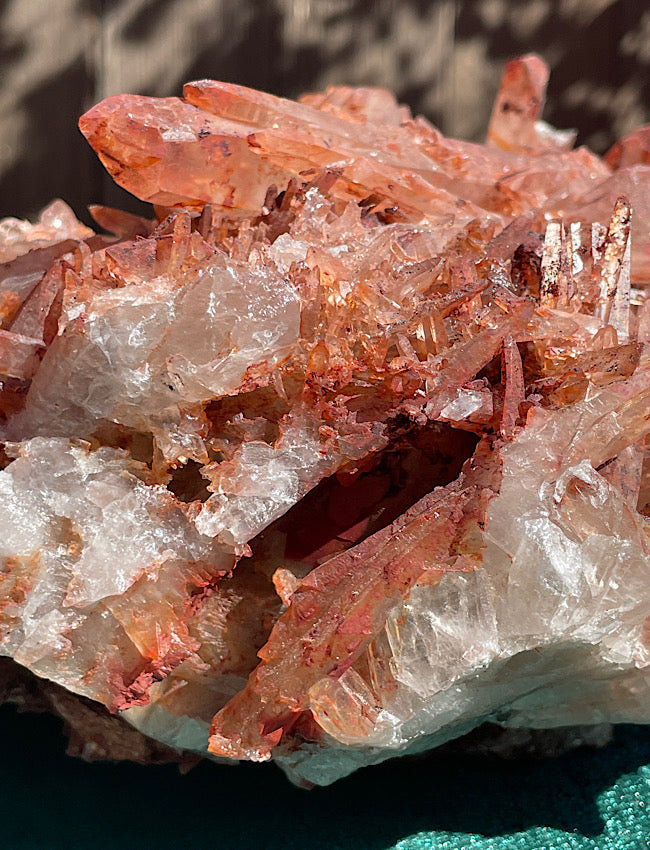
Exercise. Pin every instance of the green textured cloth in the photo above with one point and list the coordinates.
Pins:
(596, 799)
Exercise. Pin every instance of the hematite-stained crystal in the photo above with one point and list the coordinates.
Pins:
(342, 453)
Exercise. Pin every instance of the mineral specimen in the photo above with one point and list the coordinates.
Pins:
(343, 452)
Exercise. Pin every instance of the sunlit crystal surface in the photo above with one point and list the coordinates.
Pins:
(343, 452)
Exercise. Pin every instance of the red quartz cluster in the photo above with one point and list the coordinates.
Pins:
(242, 439)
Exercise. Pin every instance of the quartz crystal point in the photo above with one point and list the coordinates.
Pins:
(343, 452)
(515, 124)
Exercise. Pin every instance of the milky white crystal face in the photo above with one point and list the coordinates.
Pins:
(57, 222)
(264, 481)
(80, 529)
(548, 631)
(136, 354)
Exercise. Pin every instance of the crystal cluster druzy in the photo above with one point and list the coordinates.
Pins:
(341, 454)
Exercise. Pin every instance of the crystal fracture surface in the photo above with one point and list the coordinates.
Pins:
(343, 452)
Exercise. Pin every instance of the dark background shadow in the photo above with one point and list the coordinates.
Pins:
(52, 801)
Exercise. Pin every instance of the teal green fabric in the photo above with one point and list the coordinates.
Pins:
(582, 801)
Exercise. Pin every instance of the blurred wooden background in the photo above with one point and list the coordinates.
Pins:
(442, 57)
